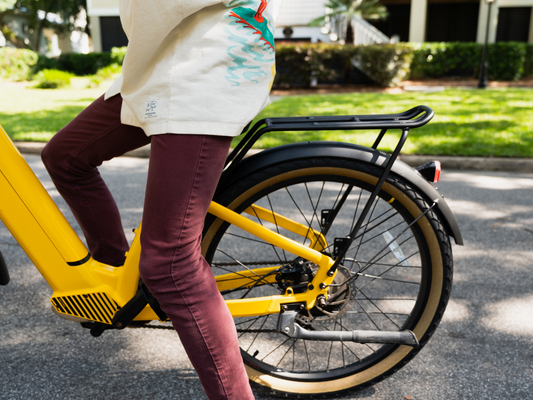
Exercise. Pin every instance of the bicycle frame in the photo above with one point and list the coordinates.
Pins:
(85, 289)
(84, 286)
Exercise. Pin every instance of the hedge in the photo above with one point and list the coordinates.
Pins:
(388, 64)
(434, 60)
(507, 61)
(301, 64)
(81, 64)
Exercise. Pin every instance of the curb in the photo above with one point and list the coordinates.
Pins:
(448, 162)
(36, 147)
(474, 163)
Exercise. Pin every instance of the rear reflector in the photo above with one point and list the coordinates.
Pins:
(430, 171)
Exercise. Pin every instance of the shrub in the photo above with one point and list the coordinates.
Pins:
(434, 60)
(44, 62)
(16, 64)
(507, 60)
(528, 65)
(53, 79)
(112, 71)
(83, 64)
(385, 64)
(301, 63)
(118, 54)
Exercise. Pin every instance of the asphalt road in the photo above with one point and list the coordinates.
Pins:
(483, 348)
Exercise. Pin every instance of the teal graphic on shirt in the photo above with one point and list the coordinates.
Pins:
(251, 31)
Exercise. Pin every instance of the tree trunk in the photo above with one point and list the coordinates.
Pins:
(39, 33)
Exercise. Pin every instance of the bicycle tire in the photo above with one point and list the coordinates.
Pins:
(382, 293)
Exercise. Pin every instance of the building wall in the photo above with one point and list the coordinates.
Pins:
(296, 14)
(293, 14)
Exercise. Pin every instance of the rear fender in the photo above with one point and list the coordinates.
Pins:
(297, 151)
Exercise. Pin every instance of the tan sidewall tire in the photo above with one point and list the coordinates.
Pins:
(430, 309)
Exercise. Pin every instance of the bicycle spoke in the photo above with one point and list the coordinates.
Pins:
(307, 223)
(366, 313)
(277, 228)
(381, 311)
(314, 207)
(257, 334)
(307, 355)
(287, 352)
(276, 348)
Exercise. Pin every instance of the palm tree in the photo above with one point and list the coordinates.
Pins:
(341, 13)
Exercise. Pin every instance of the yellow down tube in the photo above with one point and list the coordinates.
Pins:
(37, 224)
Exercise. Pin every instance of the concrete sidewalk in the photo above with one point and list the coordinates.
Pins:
(448, 162)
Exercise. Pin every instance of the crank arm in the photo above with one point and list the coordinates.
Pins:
(287, 326)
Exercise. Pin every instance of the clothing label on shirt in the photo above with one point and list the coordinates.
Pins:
(150, 111)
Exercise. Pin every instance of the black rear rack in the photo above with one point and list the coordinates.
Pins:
(410, 119)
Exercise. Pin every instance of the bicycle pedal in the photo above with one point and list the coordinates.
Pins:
(96, 328)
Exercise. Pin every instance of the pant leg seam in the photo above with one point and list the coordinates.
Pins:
(176, 284)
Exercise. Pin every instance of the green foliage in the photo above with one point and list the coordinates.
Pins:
(388, 64)
(385, 64)
(16, 64)
(298, 64)
(83, 64)
(53, 79)
(36, 115)
(342, 12)
(528, 64)
(433, 60)
(118, 54)
(112, 71)
(467, 122)
(6, 4)
(36, 12)
(507, 60)
(486, 123)
(45, 62)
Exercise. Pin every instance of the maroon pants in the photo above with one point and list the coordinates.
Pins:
(182, 177)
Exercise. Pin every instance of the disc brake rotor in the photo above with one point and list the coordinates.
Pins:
(340, 299)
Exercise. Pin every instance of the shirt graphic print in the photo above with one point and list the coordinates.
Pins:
(251, 35)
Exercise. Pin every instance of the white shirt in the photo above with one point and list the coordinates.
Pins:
(196, 66)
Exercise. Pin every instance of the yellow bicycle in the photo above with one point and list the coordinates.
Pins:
(334, 258)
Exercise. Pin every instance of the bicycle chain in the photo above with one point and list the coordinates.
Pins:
(233, 264)
(238, 330)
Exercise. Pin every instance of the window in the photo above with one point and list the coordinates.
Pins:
(450, 22)
(112, 33)
(513, 24)
(397, 22)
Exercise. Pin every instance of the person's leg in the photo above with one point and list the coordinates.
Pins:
(72, 157)
(182, 177)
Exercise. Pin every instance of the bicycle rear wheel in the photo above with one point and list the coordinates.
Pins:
(396, 276)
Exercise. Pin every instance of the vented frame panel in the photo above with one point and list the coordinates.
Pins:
(93, 306)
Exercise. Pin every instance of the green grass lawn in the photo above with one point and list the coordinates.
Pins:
(467, 122)
(37, 114)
